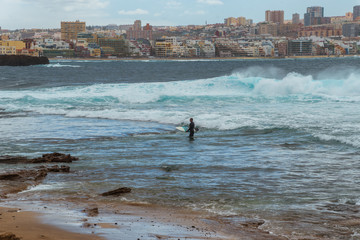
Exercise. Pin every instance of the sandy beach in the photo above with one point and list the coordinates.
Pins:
(18, 224)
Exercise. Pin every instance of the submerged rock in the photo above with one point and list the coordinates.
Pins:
(17, 181)
(45, 158)
(117, 192)
(22, 60)
(54, 157)
(91, 212)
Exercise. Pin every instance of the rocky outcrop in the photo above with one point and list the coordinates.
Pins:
(46, 158)
(20, 180)
(22, 60)
(117, 192)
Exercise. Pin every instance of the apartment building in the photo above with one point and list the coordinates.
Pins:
(70, 30)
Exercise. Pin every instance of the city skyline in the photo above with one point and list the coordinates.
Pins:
(48, 14)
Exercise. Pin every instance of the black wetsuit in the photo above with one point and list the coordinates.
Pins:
(191, 129)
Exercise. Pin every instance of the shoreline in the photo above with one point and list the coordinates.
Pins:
(201, 59)
(26, 225)
(131, 221)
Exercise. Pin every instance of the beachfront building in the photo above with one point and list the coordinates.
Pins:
(70, 30)
(11, 47)
(300, 48)
(114, 47)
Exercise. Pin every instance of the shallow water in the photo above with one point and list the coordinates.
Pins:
(278, 140)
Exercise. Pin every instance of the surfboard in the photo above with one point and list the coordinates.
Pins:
(182, 128)
(185, 128)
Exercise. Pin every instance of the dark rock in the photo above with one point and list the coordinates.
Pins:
(56, 168)
(253, 223)
(117, 192)
(46, 158)
(8, 236)
(91, 212)
(10, 176)
(13, 159)
(22, 60)
(54, 157)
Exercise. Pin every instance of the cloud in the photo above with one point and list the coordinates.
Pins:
(211, 2)
(70, 5)
(200, 12)
(137, 11)
(173, 4)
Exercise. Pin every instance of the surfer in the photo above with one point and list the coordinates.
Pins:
(191, 128)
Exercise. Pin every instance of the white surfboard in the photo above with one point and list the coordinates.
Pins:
(182, 128)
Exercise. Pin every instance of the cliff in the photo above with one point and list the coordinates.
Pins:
(22, 60)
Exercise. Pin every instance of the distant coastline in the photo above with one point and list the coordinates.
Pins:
(201, 59)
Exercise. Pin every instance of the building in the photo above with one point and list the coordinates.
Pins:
(70, 30)
(311, 14)
(274, 16)
(114, 46)
(295, 18)
(300, 48)
(241, 21)
(137, 32)
(268, 29)
(321, 31)
(351, 29)
(231, 21)
(11, 47)
(356, 13)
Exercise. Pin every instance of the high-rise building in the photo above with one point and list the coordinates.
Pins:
(356, 13)
(70, 30)
(311, 14)
(136, 32)
(295, 18)
(137, 25)
(241, 21)
(351, 29)
(274, 16)
(231, 21)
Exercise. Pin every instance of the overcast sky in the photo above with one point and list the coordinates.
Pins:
(18, 14)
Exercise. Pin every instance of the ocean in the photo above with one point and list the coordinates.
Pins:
(279, 139)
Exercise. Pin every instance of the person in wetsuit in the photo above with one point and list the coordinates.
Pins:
(191, 128)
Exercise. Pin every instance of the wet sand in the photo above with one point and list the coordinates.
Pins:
(122, 221)
(17, 224)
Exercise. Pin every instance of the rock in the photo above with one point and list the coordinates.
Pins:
(253, 223)
(91, 212)
(10, 176)
(22, 60)
(54, 157)
(13, 159)
(117, 192)
(46, 158)
(20, 180)
(56, 168)
(8, 236)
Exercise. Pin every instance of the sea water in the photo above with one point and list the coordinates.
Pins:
(279, 140)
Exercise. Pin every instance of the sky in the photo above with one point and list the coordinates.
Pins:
(20, 14)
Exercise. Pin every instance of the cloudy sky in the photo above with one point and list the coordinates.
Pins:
(17, 14)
